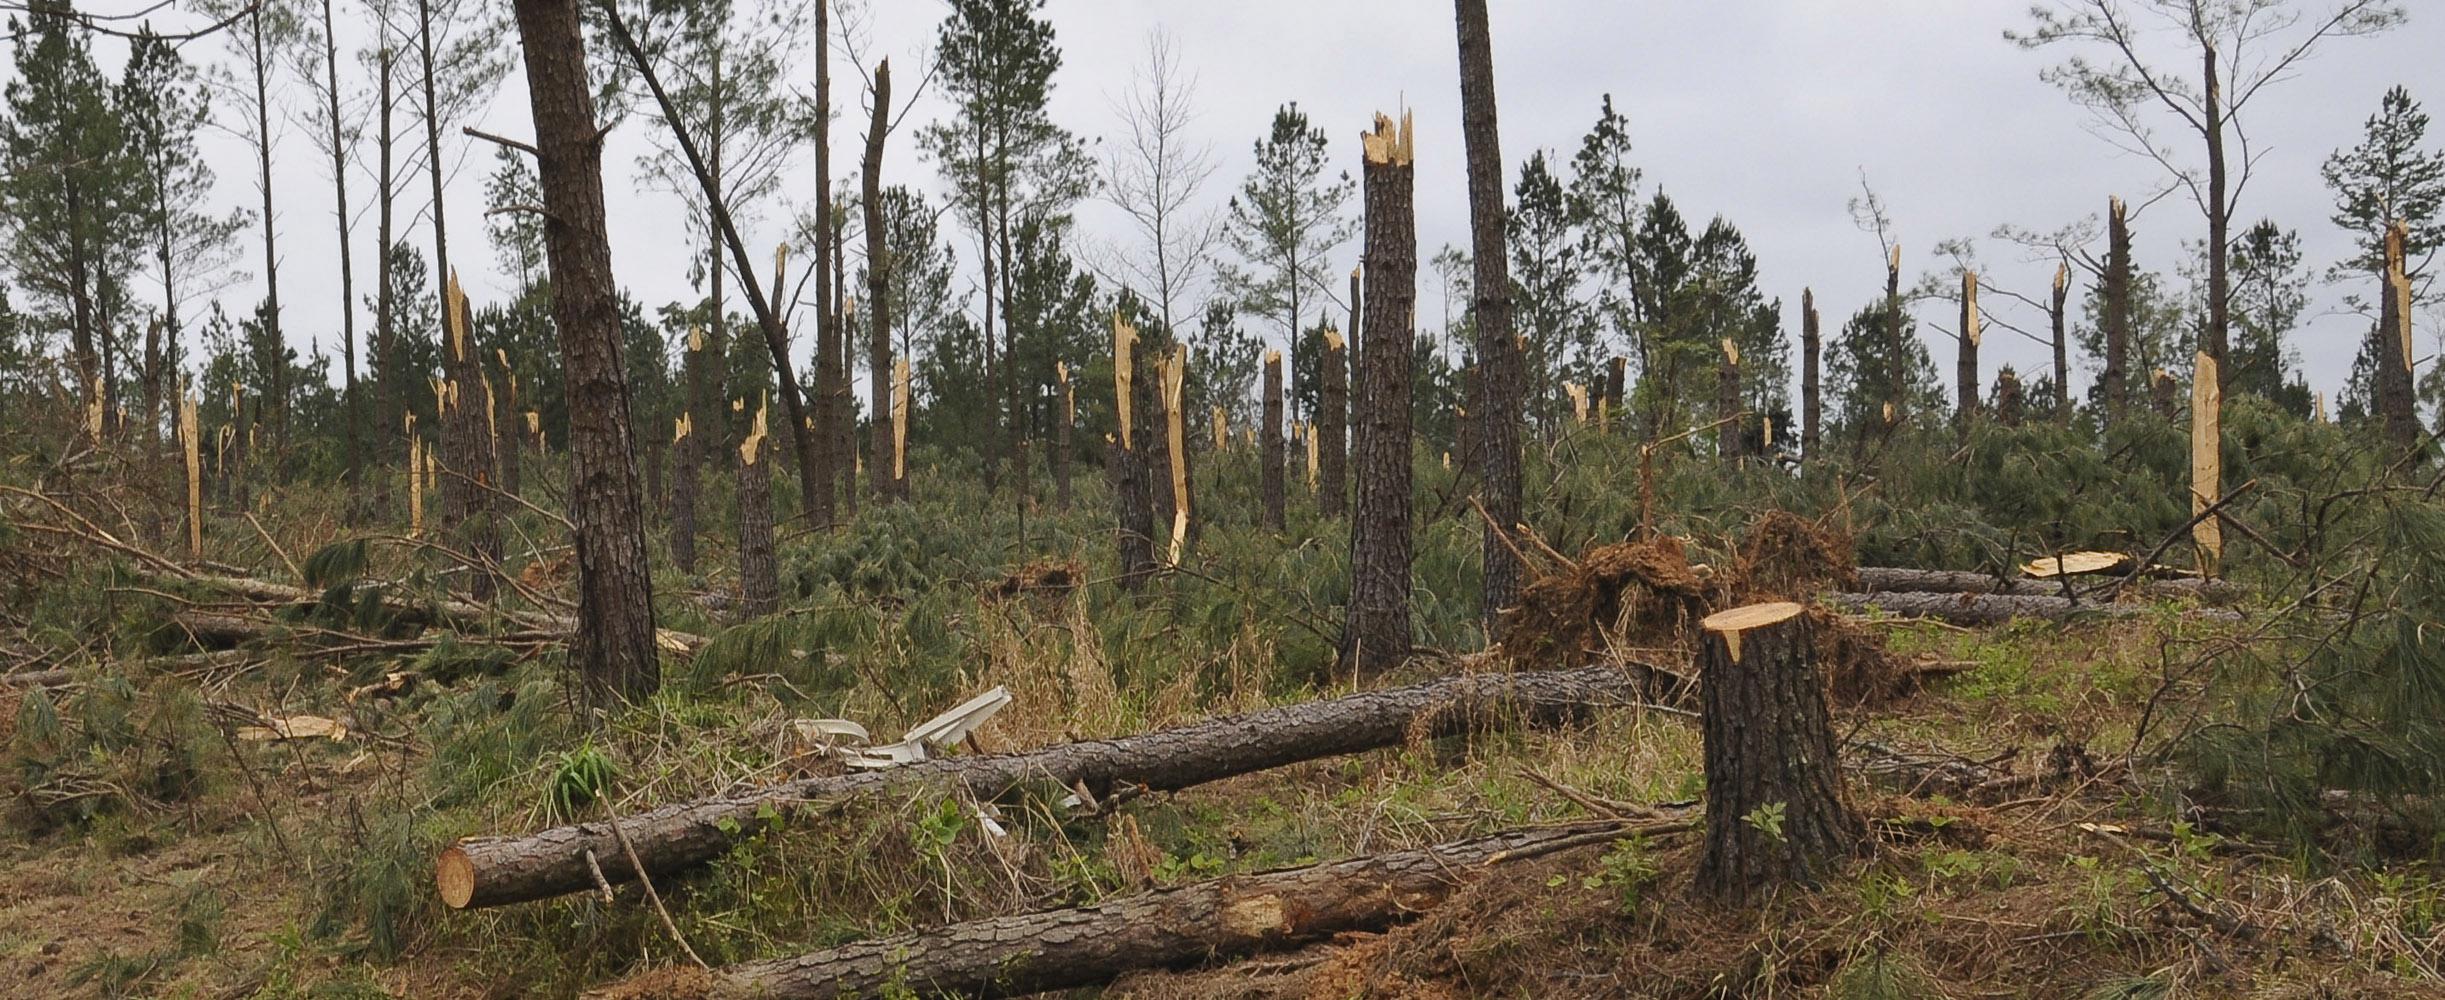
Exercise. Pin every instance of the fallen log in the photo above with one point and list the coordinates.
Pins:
(491, 871)
(1879, 579)
(1168, 928)
(1993, 609)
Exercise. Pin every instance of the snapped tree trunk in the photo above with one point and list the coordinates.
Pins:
(1132, 495)
(1775, 811)
(2115, 313)
(1617, 381)
(2062, 350)
(1898, 361)
(491, 871)
(1179, 927)
(1270, 485)
(1333, 411)
(888, 484)
(688, 454)
(613, 645)
(1497, 410)
(2008, 397)
(1965, 372)
(1812, 392)
(759, 577)
(1727, 405)
(469, 515)
(1375, 634)
(2397, 403)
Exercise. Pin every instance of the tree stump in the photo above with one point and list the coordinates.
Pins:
(1775, 813)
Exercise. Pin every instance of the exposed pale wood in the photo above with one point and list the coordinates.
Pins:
(2207, 463)
(2074, 564)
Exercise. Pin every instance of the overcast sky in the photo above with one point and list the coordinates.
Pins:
(1766, 112)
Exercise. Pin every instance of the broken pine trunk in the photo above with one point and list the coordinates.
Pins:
(1812, 392)
(759, 577)
(1270, 473)
(491, 871)
(1375, 634)
(1332, 422)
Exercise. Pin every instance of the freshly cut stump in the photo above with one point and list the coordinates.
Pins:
(1775, 813)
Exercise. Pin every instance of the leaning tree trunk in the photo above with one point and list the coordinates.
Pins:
(2114, 313)
(1497, 410)
(1270, 487)
(492, 871)
(1812, 392)
(1775, 813)
(1332, 424)
(1220, 919)
(613, 645)
(1376, 633)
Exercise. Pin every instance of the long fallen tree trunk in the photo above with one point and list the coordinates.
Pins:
(1169, 928)
(490, 871)
(1992, 609)
(1876, 579)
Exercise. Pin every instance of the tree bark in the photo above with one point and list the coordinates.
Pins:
(1270, 486)
(1775, 811)
(2062, 349)
(1812, 392)
(2115, 313)
(888, 485)
(2216, 334)
(1333, 411)
(1178, 927)
(279, 388)
(687, 457)
(350, 418)
(1617, 382)
(492, 871)
(387, 404)
(759, 576)
(1727, 407)
(1990, 609)
(1873, 579)
(1375, 634)
(2397, 402)
(613, 644)
(1965, 370)
(2008, 397)
(1132, 495)
(1897, 360)
(1497, 408)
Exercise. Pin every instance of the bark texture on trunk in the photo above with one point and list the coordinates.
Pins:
(1812, 392)
(1945, 581)
(1775, 810)
(688, 455)
(1132, 494)
(1617, 381)
(759, 576)
(496, 870)
(1333, 411)
(1496, 410)
(2062, 347)
(1727, 405)
(1375, 634)
(1965, 370)
(2214, 337)
(1991, 609)
(1168, 928)
(2114, 313)
(613, 645)
(1274, 492)
(1898, 377)
(2397, 402)
(887, 482)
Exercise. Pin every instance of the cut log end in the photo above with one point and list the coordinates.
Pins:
(454, 877)
(1731, 623)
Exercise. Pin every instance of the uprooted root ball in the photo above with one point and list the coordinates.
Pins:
(1645, 592)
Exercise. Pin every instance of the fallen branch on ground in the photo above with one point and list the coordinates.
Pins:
(490, 871)
(1168, 928)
